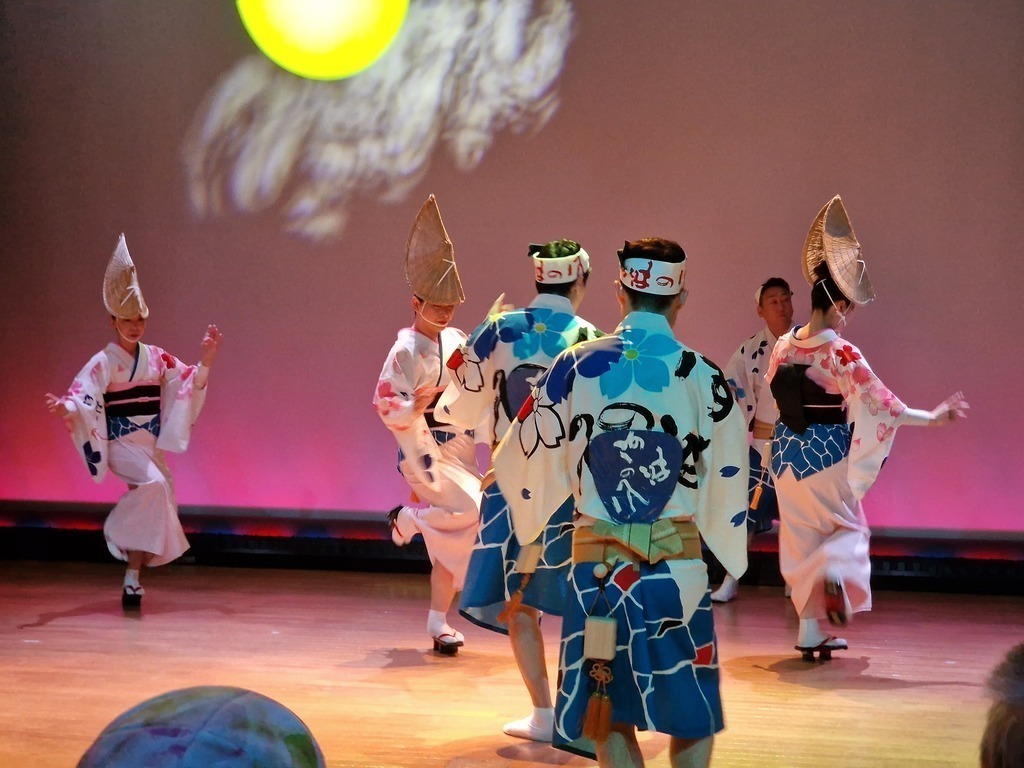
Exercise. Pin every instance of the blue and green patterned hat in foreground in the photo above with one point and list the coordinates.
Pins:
(205, 726)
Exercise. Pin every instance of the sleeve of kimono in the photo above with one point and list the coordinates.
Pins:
(180, 401)
(532, 464)
(738, 377)
(86, 420)
(394, 397)
(722, 508)
(874, 412)
(394, 403)
(773, 361)
(470, 395)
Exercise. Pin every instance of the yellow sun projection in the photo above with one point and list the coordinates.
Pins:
(323, 39)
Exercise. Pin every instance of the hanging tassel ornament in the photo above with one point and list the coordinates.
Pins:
(526, 564)
(513, 603)
(597, 723)
(599, 646)
(756, 499)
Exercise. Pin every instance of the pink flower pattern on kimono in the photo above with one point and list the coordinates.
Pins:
(387, 398)
(860, 374)
(879, 399)
(187, 388)
(883, 433)
(828, 363)
(798, 356)
(541, 424)
(847, 354)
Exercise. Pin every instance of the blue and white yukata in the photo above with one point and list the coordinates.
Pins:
(822, 473)
(124, 411)
(492, 375)
(745, 374)
(644, 433)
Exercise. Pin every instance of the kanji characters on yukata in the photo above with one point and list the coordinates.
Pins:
(645, 435)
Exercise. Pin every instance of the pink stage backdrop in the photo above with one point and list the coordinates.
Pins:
(279, 209)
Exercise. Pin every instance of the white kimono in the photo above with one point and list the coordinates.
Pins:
(124, 411)
(822, 474)
(438, 461)
(745, 374)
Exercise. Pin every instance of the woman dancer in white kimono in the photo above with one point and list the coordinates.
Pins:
(438, 461)
(836, 426)
(131, 402)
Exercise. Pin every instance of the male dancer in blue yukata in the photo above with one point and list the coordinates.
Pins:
(645, 435)
(492, 375)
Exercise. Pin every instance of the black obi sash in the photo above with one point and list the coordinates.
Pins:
(142, 400)
(802, 402)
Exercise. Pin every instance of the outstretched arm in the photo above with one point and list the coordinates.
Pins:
(952, 408)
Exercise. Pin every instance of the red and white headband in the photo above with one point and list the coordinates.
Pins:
(564, 269)
(649, 276)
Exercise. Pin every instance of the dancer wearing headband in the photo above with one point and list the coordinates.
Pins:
(644, 433)
(745, 374)
(837, 422)
(508, 586)
(129, 404)
(438, 461)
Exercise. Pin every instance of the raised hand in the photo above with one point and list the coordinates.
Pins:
(56, 405)
(208, 347)
(500, 305)
(952, 408)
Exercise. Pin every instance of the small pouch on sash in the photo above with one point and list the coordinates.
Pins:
(529, 557)
(599, 638)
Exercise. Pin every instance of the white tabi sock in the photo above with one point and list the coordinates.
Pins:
(810, 634)
(437, 624)
(728, 591)
(538, 727)
(131, 578)
(544, 717)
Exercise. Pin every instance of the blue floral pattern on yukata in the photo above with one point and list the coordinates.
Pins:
(539, 335)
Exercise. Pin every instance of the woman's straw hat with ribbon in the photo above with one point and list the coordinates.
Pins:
(831, 240)
(122, 295)
(430, 259)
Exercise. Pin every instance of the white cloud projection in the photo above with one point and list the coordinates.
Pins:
(459, 72)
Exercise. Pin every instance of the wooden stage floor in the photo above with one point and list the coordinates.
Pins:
(347, 652)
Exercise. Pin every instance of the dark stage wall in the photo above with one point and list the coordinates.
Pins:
(279, 209)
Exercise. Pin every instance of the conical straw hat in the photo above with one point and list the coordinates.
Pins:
(831, 240)
(430, 259)
(121, 293)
